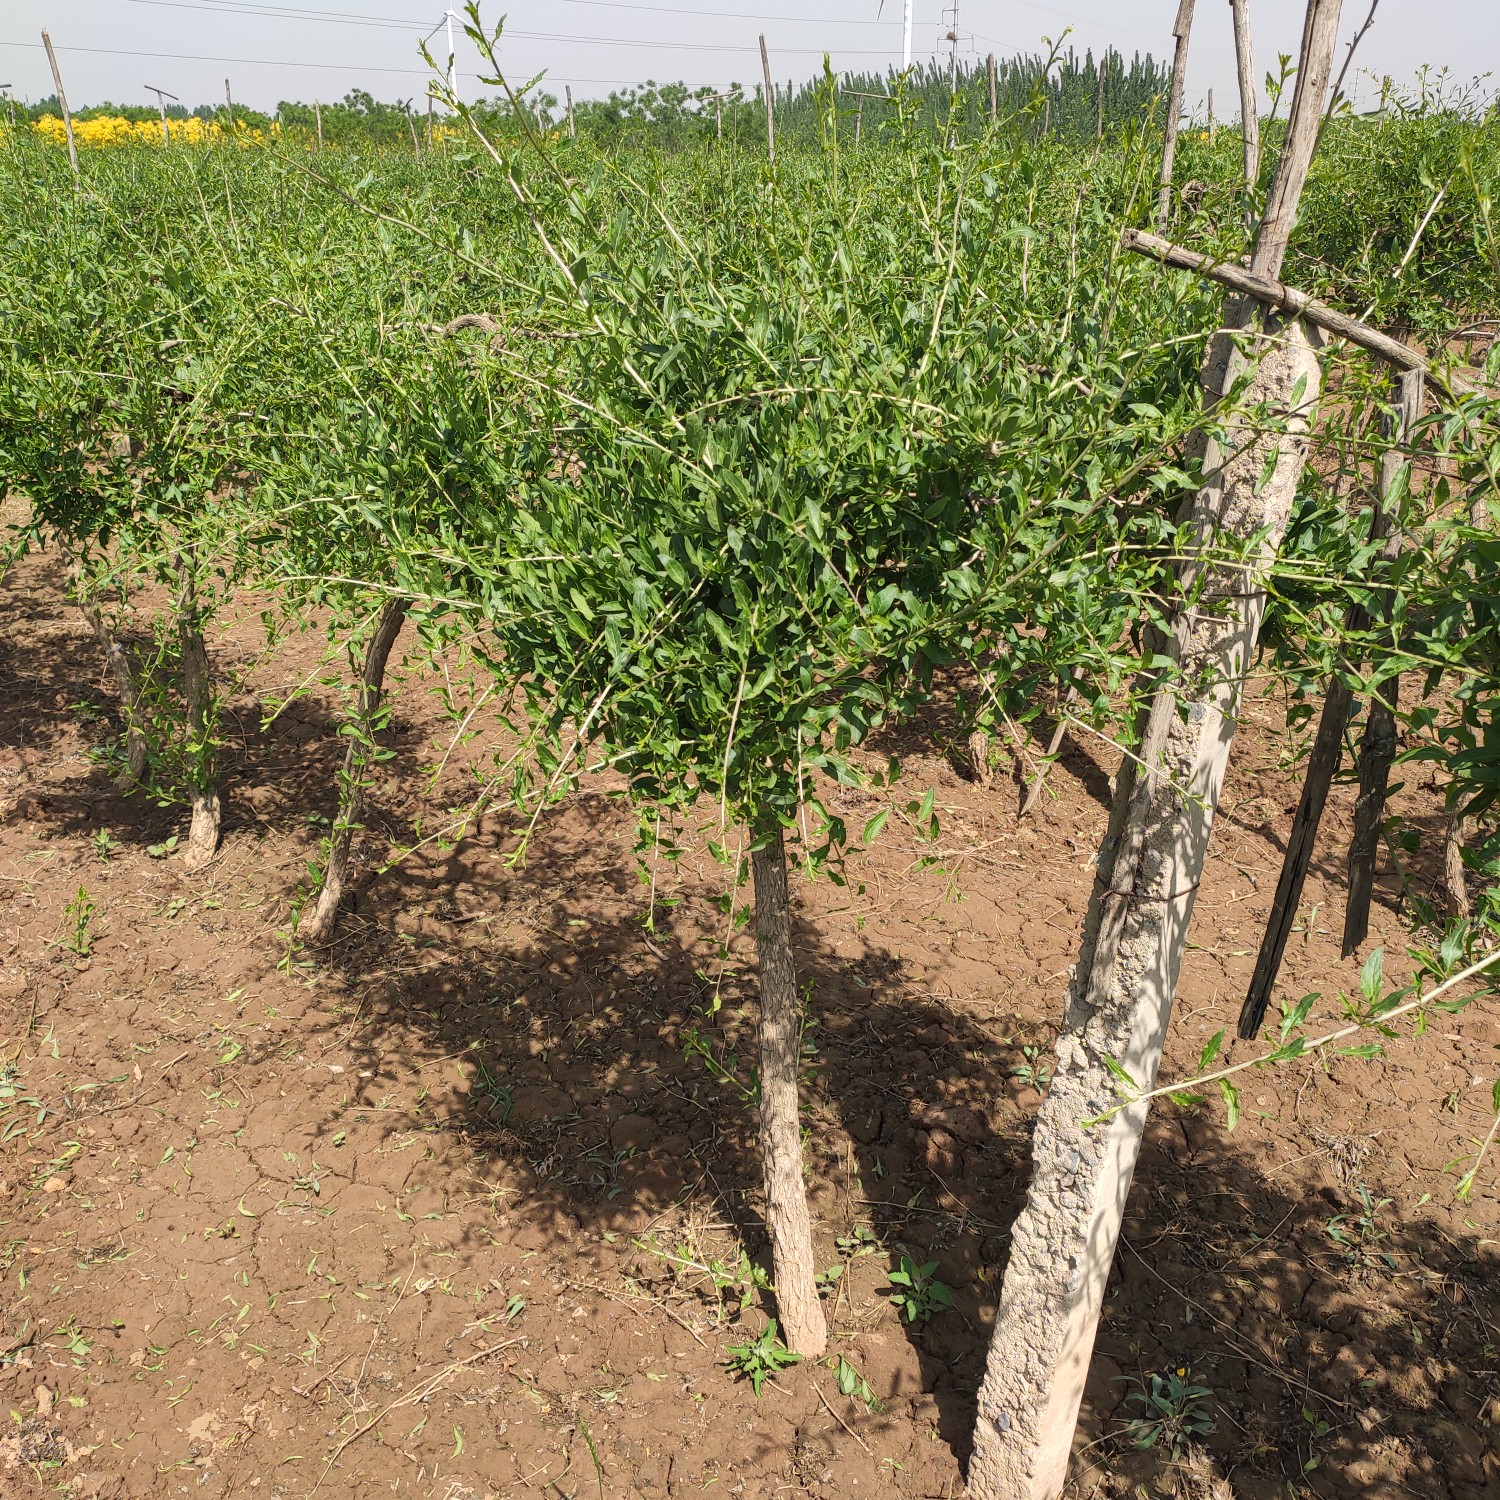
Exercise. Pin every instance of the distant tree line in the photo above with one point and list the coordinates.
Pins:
(1058, 94)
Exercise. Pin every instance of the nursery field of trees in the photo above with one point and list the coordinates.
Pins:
(805, 813)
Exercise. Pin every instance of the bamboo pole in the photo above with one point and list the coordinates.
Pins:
(62, 103)
(1150, 865)
(1181, 30)
(765, 67)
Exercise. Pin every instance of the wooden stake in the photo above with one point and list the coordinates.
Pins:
(572, 129)
(229, 104)
(859, 120)
(765, 67)
(787, 1218)
(1378, 745)
(994, 103)
(1181, 30)
(1099, 99)
(1210, 117)
(161, 103)
(318, 115)
(1135, 932)
(358, 755)
(1249, 98)
(429, 122)
(62, 103)
(411, 125)
(1323, 763)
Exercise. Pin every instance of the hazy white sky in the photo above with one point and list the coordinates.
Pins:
(111, 49)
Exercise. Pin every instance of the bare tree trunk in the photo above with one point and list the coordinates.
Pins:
(357, 757)
(1455, 878)
(1181, 31)
(123, 672)
(1249, 94)
(787, 1218)
(197, 690)
(1136, 928)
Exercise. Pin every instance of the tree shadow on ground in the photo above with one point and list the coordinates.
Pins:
(1359, 1354)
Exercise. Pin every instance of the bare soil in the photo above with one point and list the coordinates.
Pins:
(414, 1215)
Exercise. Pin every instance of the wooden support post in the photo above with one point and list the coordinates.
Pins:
(318, 116)
(1249, 96)
(411, 125)
(229, 105)
(859, 119)
(1099, 98)
(994, 102)
(429, 122)
(765, 68)
(1047, 117)
(1181, 30)
(1378, 745)
(1150, 865)
(1323, 763)
(161, 103)
(62, 103)
(1210, 117)
(572, 128)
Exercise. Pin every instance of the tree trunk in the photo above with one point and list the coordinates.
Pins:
(1136, 928)
(197, 690)
(787, 1219)
(1455, 879)
(357, 755)
(122, 671)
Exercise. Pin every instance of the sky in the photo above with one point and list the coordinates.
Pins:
(112, 49)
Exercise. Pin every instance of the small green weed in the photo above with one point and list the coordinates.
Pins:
(761, 1360)
(1173, 1412)
(1360, 1235)
(1033, 1070)
(852, 1383)
(77, 915)
(105, 844)
(163, 849)
(916, 1292)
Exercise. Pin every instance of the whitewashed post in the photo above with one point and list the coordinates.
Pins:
(1120, 999)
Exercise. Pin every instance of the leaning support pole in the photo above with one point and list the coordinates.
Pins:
(1181, 31)
(1152, 859)
(197, 690)
(359, 752)
(1323, 763)
(787, 1218)
(62, 103)
(1378, 746)
(1249, 97)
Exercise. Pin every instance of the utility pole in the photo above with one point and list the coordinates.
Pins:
(572, 129)
(905, 35)
(765, 68)
(62, 103)
(452, 58)
(229, 101)
(161, 103)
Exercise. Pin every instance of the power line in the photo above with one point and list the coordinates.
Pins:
(348, 18)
